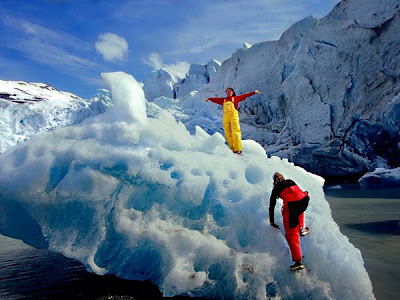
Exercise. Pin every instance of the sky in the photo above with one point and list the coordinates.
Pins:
(68, 43)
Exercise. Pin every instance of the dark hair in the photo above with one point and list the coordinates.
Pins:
(233, 92)
(278, 177)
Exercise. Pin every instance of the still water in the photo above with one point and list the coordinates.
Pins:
(368, 217)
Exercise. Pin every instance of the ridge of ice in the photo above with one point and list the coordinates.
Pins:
(142, 198)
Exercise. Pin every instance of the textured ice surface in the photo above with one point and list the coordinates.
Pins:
(142, 198)
(381, 178)
(27, 108)
(330, 90)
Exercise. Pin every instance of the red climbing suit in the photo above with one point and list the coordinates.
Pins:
(293, 193)
(288, 191)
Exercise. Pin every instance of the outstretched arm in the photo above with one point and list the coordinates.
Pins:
(244, 96)
(219, 101)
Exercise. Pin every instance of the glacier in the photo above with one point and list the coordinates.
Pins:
(133, 192)
(330, 88)
(27, 108)
(165, 82)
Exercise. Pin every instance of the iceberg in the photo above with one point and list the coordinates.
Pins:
(143, 198)
(381, 178)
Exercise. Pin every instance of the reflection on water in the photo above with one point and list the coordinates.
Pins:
(370, 219)
(28, 273)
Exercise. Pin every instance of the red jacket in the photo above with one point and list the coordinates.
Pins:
(291, 195)
(236, 99)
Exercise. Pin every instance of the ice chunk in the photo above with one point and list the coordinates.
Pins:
(381, 178)
(144, 199)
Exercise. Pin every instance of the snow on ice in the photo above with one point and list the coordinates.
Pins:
(27, 108)
(143, 198)
(330, 97)
(380, 178)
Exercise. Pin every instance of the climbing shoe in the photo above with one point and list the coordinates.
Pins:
(304, 231)
(298, 265)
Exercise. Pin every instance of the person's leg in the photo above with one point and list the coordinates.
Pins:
(303, 230)
(293, 238)
(228, 129)
(236, 133)
(301, 220)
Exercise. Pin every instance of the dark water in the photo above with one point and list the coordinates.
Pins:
(369, 218)
(28, 273)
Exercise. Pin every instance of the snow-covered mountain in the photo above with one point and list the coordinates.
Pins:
(165, 82)
(330, 99)
(28, 108)
(126, 198)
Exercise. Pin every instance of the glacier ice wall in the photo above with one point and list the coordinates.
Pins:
(330, 99)
(142, 198)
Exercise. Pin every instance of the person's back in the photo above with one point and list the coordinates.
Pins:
(294, 203)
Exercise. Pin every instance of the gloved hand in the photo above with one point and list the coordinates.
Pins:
(274, 225)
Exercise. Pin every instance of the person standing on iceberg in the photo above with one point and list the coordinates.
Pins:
(295, 202)
(230, 118)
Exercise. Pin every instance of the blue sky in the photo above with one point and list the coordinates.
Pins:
(68, 43)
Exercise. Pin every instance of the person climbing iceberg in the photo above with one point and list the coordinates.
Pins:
(295, 202)
(230, 118)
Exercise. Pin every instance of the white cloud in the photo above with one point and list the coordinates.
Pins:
(50, 54)
(180, 69)
(220, 27)
(226, 23)
(60, 50)
(112, 46)
(29, 30)
(154, 60)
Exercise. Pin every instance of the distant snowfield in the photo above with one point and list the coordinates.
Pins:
(141, 197)
(28, 108)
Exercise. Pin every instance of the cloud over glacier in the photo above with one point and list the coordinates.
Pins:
(112, 46)
(142, 198)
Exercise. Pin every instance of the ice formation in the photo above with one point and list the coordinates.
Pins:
(331, 94)
(380, 178)
(142, 198)
(27, 108)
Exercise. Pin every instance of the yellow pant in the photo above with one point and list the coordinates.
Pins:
(230, 121)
